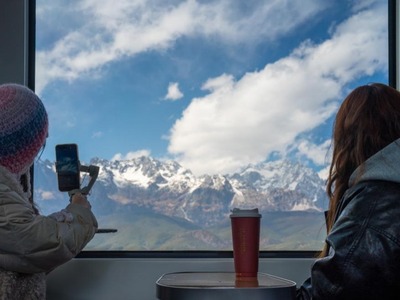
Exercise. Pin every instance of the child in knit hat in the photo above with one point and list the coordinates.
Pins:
(31, 244)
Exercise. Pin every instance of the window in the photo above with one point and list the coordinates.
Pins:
(191, 108)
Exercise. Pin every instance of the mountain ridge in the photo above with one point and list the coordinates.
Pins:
(169, 189)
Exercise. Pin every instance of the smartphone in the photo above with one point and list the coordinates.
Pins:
(67, 167)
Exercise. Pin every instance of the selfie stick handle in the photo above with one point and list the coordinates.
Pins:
(93, 173)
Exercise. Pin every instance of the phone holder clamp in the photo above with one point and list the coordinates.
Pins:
(93, 173)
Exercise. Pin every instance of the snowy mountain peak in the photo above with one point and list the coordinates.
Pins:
(167, 188)
(278, 174)
(143, 172)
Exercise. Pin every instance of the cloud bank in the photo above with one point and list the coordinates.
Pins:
(242, 121)
(107, 31)
(239, 120)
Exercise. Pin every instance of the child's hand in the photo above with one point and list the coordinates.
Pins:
(80, 199)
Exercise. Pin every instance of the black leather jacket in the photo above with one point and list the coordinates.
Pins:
(364, 255)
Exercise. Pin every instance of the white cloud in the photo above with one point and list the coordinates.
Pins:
(46, 195)
(323, 174)
(131, 155)
(242, 121)
(97, 134)
(108, 30)
(362, 4)
(174, 92)
(318, 154)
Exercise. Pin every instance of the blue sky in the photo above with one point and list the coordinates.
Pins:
(214, 84)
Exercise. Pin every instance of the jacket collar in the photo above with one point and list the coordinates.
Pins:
(384, 165)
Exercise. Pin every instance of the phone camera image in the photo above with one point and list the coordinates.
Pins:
(67, 167)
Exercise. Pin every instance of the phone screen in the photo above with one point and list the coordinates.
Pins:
(67, 167)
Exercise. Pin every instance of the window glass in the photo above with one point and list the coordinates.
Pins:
(191, 108)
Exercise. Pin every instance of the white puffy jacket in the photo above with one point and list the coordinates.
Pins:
(34, 244)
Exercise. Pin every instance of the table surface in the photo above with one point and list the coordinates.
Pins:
(220, 285)
(221, 280)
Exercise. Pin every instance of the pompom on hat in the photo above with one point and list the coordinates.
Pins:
(23, 127)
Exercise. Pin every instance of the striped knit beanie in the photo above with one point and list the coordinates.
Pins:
(23, 127)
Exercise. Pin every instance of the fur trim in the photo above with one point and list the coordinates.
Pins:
(13, 182)
(19, 286)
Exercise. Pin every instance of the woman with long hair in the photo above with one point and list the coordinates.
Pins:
(361, 257)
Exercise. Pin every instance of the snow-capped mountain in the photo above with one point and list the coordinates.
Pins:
(282, 186)
(167, 188)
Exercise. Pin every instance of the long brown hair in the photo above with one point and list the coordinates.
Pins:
(367, 121)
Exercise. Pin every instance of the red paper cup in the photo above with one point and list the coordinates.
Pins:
(246, 241)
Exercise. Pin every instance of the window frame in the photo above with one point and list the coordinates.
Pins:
(30, 31)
